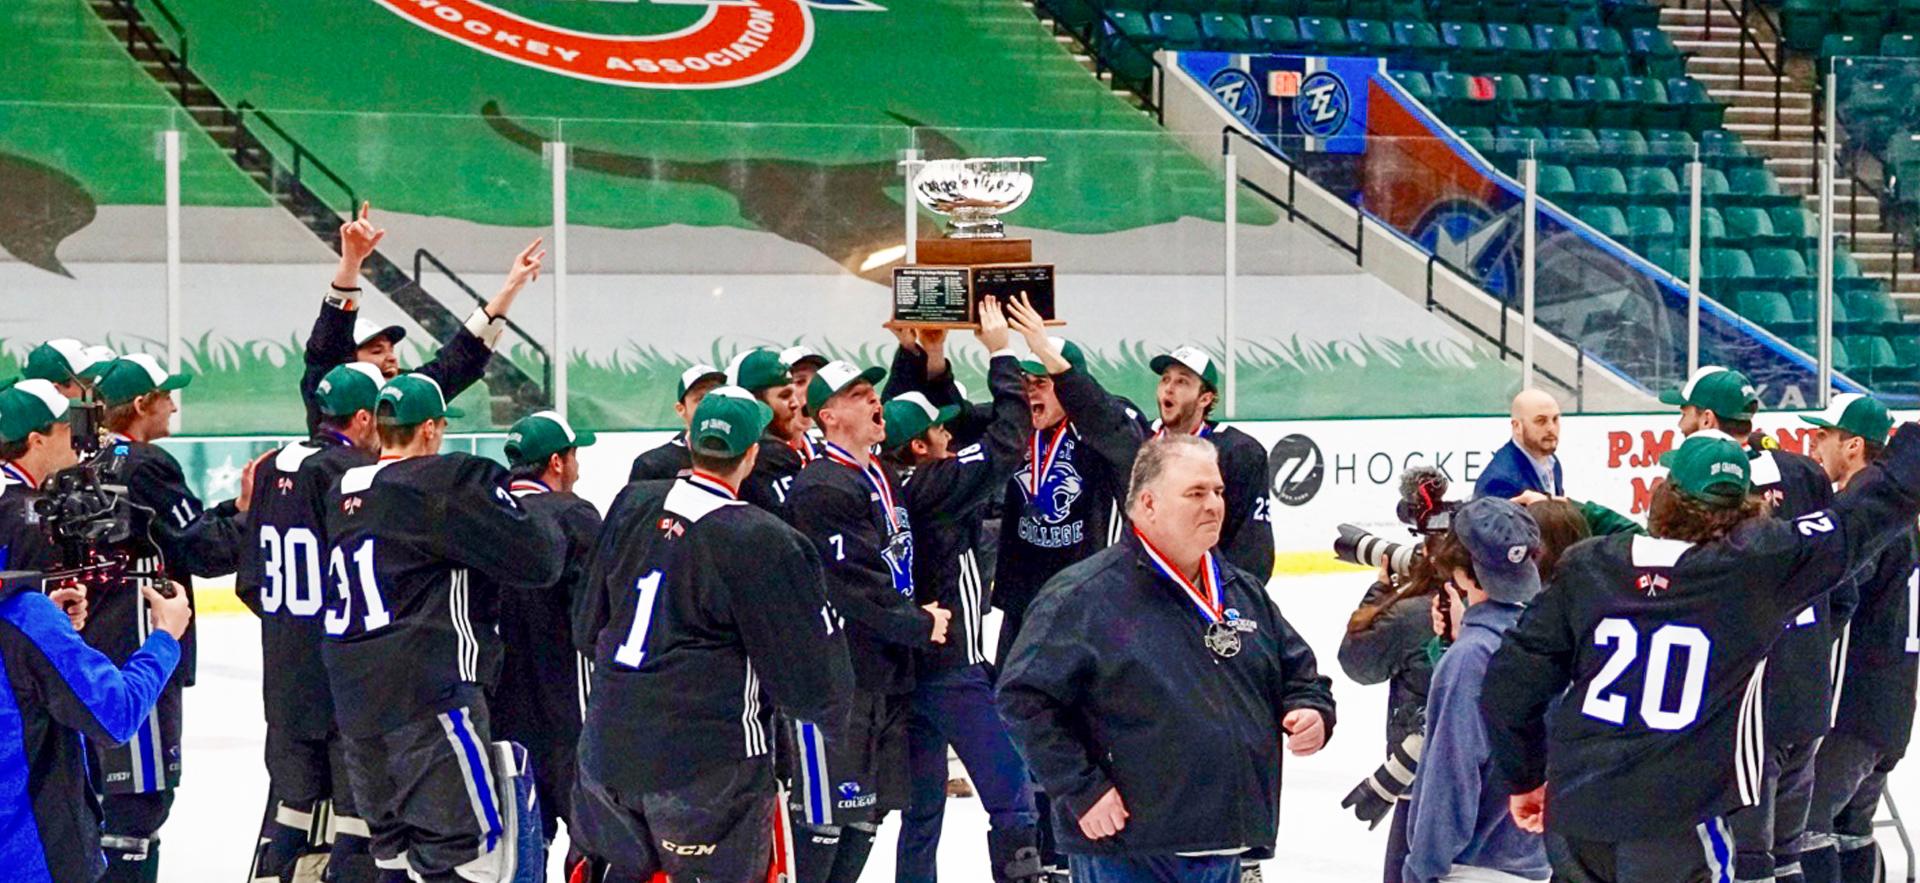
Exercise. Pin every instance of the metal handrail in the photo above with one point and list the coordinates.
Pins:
(302, 157)
(1357, 248)
(174, 61)
(421, 256)
(1775, 63)
(1147, 92)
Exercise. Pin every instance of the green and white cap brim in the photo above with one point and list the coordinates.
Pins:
(416, 398)
(542, 434)
(696, 375)
(1724, 391)
(131, 377)
(348, 388)
(795, 355)
(365, 330)
(1862, 415)
(30, 406)
(728, 421)
(1068, 350)
(1193, 359)
(834, 377)
(909, 416)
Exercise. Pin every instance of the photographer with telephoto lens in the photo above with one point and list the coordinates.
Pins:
(1390, 640)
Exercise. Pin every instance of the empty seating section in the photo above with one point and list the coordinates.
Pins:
(1599, 95)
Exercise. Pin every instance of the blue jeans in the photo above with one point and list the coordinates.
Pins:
(1155, 869)
(955, 707)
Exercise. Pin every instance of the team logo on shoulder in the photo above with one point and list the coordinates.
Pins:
(351, 505)
(283, 484)
(734, 42)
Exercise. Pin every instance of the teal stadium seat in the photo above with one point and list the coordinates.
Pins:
(1417, 44)
(1601, 184)
(1603, 96)
(1625, 147)
(1469, 44)
(1553, 183)
(1804, 23)
(1654, 51)
(1562, 45)
(1781, 269)
(1226, 31)
(1554, 99)
(1417, 86)
(1607, 220)
(1276, 33)
(1373, 37)
(1327, 35)
(1515, 43)
(1607, 50)
(1648, 224)
(1174, 30)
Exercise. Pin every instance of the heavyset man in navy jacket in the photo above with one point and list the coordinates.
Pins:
(1526, 463)
(1152, 683)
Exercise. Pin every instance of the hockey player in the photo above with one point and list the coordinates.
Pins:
(705, 614)
(340, 335)
(670, 460)
(1797, 693)
(786, 449)
(36, 440)
(1189, 388)
(311, 823)
(1064, 503)
(542, 695)
(137, 779)
(410, 641)
(1656, 643)
(1878, 659)
(945, 488)
(848, 505)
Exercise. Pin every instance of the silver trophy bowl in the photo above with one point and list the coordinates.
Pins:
(974, 193)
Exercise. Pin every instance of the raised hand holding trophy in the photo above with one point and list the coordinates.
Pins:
(975, 259)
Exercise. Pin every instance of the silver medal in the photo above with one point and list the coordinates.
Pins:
(1223, 639)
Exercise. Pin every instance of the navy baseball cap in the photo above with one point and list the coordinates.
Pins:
(1503, 541)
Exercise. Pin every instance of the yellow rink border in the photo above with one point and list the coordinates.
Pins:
(216, 598)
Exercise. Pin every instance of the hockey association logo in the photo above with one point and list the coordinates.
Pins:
(734, 43)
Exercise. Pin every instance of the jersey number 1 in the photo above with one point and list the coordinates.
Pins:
(340, 618)
(633, 650)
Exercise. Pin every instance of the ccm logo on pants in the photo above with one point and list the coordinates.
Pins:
(688, 849)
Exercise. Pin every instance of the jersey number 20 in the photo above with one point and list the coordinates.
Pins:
(1667, 641)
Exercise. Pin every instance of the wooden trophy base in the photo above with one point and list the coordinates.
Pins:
(943, 288)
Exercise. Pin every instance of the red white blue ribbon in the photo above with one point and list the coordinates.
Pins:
(712, 484)
(875, 476)
(1209, 597)
(1201, 431)
(528, 486)
(13, 471)
(1043, 466)
(805, 450)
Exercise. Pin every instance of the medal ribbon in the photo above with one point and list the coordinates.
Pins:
(528, 486)
(875, 476)
(805, 451)
(18, 474)
(1201, 431)
(1209, 597)
(1043, 466)
(711, 484)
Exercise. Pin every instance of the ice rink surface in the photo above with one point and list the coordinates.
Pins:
(217, 814)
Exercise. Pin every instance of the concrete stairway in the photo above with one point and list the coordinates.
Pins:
(1782, 130)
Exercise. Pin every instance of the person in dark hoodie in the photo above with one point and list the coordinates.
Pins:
(1458, 824)
(1154, 684)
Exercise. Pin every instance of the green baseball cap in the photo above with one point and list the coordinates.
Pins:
(416, 398)
(540, 435)
(30, 406)
(910, 416)
(1862, 415)
(1193, 359)
(833, 378)
(354, 386)
(799, 354)
(1710, 467)
(696, 375)
(728, 422)
(755, 370)
(1068, 350)
(131, 377)
(65, 360)
(1724, 391)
